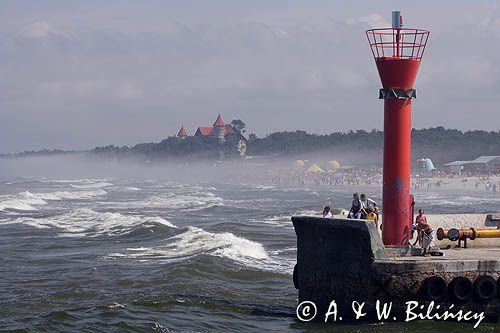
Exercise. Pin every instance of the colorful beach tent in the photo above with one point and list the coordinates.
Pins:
(315, 169)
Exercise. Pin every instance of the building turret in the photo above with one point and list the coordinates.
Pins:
(220, 129)
(182, 133)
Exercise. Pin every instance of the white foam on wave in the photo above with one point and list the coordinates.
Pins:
(284, 220)
(264, 187)
(286, 250)
(87, 222)
(130, 189)
(24, 201)
(194, 241)
(227, 244)
(27, 201)
(66, 181)
(248, 204)
(191, 201)
(91, 185)
(181, 197)
(79, 195)
(70, 195)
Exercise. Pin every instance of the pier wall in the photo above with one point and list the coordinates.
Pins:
(345, 260)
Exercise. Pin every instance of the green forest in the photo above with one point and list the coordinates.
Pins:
(440, 144)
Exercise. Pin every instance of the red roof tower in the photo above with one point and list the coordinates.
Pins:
(219, 121)
(182, 133)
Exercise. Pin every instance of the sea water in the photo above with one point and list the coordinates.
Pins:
(151, 256)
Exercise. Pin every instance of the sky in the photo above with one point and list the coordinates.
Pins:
(79, 74)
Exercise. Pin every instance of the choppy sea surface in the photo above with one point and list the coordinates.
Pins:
(111, 255)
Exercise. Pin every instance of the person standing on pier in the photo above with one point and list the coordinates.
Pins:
(425, 232)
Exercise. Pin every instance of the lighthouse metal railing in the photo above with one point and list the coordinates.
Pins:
(402, 43)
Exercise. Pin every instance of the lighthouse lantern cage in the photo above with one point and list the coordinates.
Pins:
(397, 43)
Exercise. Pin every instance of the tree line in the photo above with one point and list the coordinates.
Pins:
(440, 144)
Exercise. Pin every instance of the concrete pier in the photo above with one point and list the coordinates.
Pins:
(345, 260)
(460, 221)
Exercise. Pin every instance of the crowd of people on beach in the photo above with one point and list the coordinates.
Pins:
(344, 177)
(372, 175)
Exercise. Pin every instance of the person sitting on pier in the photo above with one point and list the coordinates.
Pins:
(327, 213)
(365, 205)
(355, 212)
(372, 215)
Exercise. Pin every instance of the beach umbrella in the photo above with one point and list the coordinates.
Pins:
(333, 165)
(299, 163)
(315, 169)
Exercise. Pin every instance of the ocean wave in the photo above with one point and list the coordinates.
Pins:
(91, 185)
(27, 201)
(24, 201)
(287, 250)
(87, 222)
(190, 201)
(284, 219)
(263, 187)
(195, 241)
(187, 200)
(249, 204)
(130, 189)
(66, 181)
(79, 195)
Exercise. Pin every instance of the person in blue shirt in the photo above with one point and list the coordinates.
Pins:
(355, 212)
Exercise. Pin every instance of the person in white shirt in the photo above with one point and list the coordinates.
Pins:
(327, 212)
(365, 205)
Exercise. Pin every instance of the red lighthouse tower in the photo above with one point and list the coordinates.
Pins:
(398, 52)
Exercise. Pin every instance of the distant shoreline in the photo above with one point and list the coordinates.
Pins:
(440, 144)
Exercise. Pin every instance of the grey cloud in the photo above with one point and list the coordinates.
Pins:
(77, 77)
